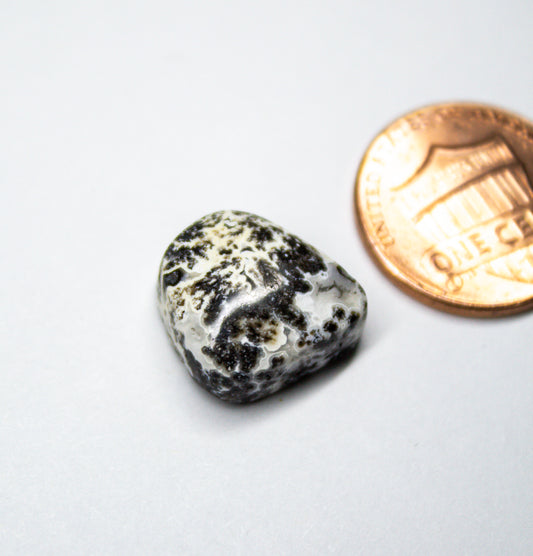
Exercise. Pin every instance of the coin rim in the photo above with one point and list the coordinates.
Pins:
(393, 272)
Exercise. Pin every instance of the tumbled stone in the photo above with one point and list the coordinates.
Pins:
(251, 308)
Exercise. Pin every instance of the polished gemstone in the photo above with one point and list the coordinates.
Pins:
(251, 308)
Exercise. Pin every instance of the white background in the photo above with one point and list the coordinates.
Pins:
(122, 123)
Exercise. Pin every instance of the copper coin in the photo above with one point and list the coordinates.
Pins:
(444, 203)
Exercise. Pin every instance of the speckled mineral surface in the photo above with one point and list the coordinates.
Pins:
(251, 308)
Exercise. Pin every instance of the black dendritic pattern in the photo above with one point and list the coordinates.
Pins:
(252, 308)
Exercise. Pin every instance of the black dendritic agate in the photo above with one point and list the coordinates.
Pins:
(251, 308)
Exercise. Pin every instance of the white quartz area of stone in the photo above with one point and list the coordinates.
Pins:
(122, 122)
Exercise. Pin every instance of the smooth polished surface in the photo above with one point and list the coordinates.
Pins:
(122, 122)
(250, 308)
(444, 201)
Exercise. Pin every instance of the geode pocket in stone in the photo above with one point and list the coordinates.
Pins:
(251, 308)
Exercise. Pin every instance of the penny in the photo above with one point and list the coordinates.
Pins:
(444, 203)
